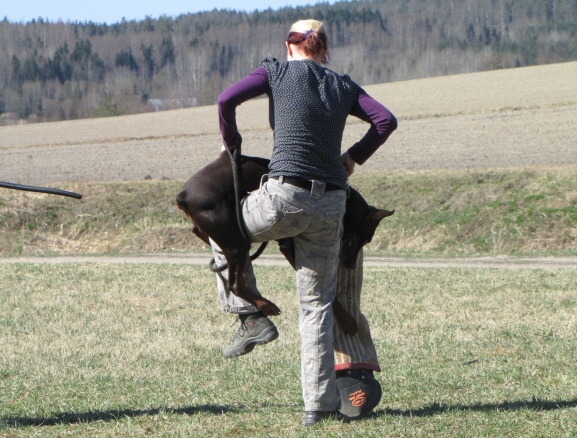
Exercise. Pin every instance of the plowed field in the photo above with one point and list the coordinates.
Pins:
(507, 118)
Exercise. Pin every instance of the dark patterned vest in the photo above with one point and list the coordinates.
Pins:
(309, 105)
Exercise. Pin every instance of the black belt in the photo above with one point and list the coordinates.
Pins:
(305, 184)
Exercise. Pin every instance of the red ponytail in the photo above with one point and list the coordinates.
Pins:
(313, 43)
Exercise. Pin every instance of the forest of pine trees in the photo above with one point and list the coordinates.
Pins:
(67, 70)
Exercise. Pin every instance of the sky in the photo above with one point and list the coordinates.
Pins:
(112, 11)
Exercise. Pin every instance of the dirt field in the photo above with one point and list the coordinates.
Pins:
(506, 118)
(278, 260)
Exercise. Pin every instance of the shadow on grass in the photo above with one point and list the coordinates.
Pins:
(427, 411)
(112, 415)
(436, 408)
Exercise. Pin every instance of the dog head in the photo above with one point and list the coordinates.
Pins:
(359, 225)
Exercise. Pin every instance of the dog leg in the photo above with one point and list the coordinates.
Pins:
(200, 234)
(287, 248)
(237, 284)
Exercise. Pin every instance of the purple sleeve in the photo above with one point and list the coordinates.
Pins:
(253, 85)
(382, 121)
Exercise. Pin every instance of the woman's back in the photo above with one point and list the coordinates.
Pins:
(308, 110)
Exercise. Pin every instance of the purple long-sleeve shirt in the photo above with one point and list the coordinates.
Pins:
(382, 121)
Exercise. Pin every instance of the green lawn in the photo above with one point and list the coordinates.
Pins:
(135, 350)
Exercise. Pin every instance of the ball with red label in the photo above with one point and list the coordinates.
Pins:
(360, 392)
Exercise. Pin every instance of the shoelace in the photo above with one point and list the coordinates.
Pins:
(243, 328)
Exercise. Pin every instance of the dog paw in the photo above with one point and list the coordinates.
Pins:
(269, 308)
(350, 326)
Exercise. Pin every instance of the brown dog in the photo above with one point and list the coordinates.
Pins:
(208, 200)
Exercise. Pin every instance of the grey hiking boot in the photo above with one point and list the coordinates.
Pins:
(255, 329)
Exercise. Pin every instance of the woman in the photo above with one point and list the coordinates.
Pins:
(304, 196)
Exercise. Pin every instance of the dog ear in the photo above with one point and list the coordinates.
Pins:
(378, 215)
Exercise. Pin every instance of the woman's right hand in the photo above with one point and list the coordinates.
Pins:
(237, 144)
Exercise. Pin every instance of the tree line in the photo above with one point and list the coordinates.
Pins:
(68, 70)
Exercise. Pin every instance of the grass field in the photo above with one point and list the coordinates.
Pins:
(135, 350)
(529, 211)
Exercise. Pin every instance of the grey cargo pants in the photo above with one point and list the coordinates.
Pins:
(314, 219)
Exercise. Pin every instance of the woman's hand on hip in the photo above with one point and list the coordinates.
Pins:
(348, 163)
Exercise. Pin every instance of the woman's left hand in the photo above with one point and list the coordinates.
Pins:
(348, 163)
